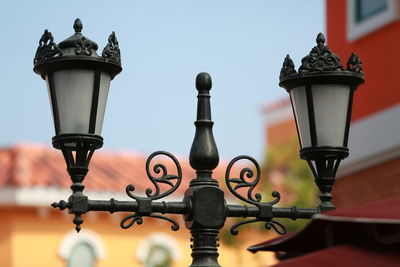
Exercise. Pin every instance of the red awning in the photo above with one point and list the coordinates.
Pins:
(369, 224)
(346, 256)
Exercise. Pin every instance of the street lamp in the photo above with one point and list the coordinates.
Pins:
(321, 93)
(78, 81)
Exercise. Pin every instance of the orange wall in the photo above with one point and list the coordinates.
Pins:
(280, 133)
(28, 240)
(380, 55)
(5, 239)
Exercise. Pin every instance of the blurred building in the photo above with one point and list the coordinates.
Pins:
(34, 234)
(372, 30)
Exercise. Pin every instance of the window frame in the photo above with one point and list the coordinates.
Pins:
(159, 239)
(72, 239)
(358, 29)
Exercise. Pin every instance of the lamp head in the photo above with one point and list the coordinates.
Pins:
(321, 92)
(78, 81)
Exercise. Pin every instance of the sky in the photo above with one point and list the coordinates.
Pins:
(164, 45)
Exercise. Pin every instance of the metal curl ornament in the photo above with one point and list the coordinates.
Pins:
(277, 226)
(164, 178)
(243, 182)
(131, 219)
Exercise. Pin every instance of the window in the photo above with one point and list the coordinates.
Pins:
(158, 256)
(158, 250)
(81, 250)
(366, 16)
(82, 255)
(368, 8)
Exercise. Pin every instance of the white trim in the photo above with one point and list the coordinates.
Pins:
(160, 239)
(44, 196)
(373, 140)
(72, 238)
(368, 162)
(279, 115)
(356, 30)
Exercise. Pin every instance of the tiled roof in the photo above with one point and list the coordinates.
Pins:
(35, 165)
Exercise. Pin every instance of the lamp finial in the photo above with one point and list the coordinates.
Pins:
(78, 25)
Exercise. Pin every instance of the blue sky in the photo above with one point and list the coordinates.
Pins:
(164, 44)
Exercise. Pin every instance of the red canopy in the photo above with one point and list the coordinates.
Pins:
(369, 224)
(346, 255)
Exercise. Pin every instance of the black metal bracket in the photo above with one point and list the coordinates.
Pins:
(204, 206)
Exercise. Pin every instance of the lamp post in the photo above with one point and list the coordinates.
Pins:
(78, 80)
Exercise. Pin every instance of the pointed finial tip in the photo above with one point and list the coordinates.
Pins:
(203, 81)
(320, 38)
(78, 25)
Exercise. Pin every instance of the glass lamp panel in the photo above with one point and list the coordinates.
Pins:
(74, 91)
(105, 80)
(299, 102)
(51, 102)
(330, 108)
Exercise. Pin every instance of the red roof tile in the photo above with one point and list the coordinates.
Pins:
(35, 165)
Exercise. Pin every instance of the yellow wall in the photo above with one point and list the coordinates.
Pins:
(30, 240)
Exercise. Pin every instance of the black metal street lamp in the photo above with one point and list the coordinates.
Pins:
(321, 94)
(78, 81)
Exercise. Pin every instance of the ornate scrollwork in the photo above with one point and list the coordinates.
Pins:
(164, 178)
(277, 226)
(172, 180)
(47, 48)
(111, 50)
(84, 46)
(320, 58)
(129, 220)
(354, 64)
(287, 68)
(255, 199)
(243, 181)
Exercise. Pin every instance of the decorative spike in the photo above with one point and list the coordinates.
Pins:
(78, 26)
(354, 64)
(47, 48)
(320, 39)
(62, 205)
(203, 82)
(287, 68)
(111, 50)
(78, 221)
(204, 153)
